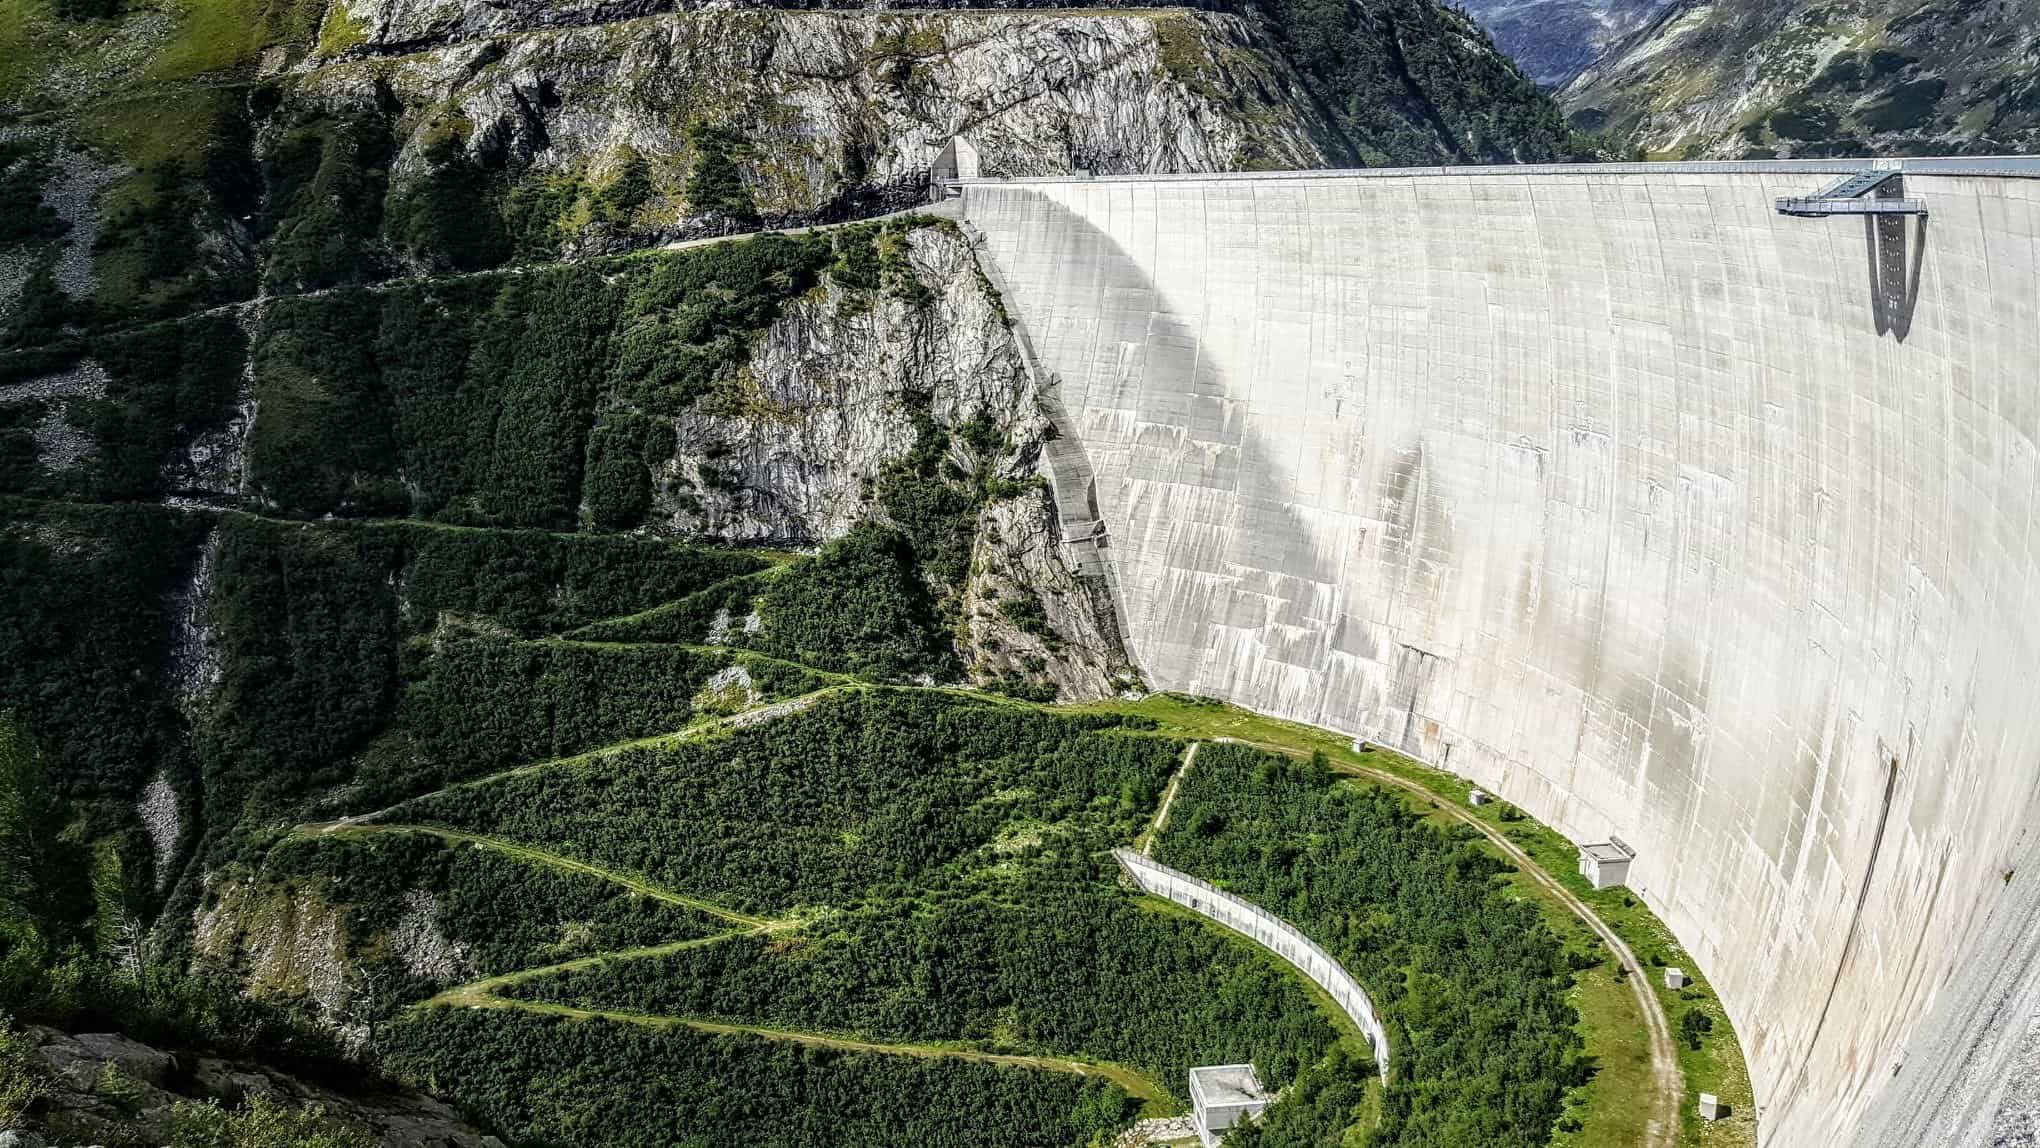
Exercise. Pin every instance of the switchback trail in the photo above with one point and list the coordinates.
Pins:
(1133, 1082)
(1146, 844)
(736, 720)
(540, 857)
(486, 993)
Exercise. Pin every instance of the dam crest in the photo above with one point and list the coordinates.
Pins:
(1658, 512)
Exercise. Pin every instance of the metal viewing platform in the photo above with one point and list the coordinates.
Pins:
(1852, 195)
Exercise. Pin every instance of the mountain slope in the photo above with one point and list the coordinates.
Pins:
(1555, 40)
(1745, 78)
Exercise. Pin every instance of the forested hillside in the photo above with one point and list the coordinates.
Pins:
(485, 629)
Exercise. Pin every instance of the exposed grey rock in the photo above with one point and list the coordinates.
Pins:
(730, 688)
(77, 179)
(79, 1060)
(844, 111)
(157, 811)
(59, 445)
(1751, 78)
(833, 387)
(1018, 558)
(109, 1087)
(72, 185)
(1554, 40)
(194, 657)
(425, 951)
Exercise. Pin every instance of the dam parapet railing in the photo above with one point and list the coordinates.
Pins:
(1997, 167)
(1268, 931)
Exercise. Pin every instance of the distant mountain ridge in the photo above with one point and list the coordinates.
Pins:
(1555, 40)
(1756, 78)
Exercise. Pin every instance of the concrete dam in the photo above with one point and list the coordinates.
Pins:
(1659, 512)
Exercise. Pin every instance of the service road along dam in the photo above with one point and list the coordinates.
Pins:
(1662, 513)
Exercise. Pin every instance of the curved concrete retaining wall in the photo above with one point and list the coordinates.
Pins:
(1655, 511)
(1271, 933)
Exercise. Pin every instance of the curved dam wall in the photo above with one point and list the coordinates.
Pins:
(1655, 511)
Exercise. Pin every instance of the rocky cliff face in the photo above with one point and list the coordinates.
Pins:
(108, 1087)
(837, 390)
(1740, 78)
(817, 114)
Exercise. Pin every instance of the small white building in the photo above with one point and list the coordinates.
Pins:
(1223, 1095)
(1711, 1107)
(1605, 864)
(1478, 797)
(1676, 978)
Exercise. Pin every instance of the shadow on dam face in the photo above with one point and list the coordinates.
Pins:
(1238, 559)
(1600, 479)
(1894, 278)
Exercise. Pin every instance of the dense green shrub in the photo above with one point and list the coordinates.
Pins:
(311, 622)
(1318, 1109)
(688, 319)
(469, 706)
(508, 914)
(692, 618)
(1471, 983)
(324, 179)
(85, 623)
(821, 807)
(860, 606)
(536, 583)
(1906, 106)
(447, 220)
(172, 241)
(549, 1080)
(59, 960)
(24, 217)
(716, 183)
(1409, 82)
(621, 454)
(166, 384)
(42, 313)
(1049, 957)
(306, 624)
(45, 886)
(324, 443)
(476, 400)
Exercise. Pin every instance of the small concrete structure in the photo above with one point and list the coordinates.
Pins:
(1711, 1107)
(1676, 978)
(1223, 1095)
(958, 159)
(1605, 864)
(1478, 797)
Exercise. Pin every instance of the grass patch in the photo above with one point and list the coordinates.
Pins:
(1605, 1114)
(212, 35)
(340, 31)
